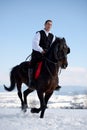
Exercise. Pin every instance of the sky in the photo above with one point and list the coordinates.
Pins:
(21, 19)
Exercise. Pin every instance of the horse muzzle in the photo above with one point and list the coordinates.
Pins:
(64, 66)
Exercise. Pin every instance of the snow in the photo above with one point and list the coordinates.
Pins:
(63, 113)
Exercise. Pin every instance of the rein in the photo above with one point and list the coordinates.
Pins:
(48, 67)
(51, 61)
(28, 57)
(56, 64)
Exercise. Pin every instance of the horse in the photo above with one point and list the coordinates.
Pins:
(55, 58)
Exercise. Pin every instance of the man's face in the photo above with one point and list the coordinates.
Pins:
(48, 26)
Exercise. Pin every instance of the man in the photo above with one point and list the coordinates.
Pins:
(41, 43)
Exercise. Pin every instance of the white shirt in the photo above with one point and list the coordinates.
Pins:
(36, 41)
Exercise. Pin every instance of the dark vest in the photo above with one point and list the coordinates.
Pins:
(45, 41)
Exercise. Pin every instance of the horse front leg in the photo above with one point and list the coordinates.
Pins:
(47, 97)
(44, 102)
(42, 105)
(37, 110)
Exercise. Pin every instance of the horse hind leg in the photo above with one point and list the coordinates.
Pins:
(20, 95)
(25, 93)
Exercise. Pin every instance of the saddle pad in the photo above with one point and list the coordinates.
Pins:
(37, 73)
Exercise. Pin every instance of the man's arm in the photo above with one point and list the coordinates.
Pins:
(54, 37)
(35, 43)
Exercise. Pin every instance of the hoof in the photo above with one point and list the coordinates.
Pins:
(24, 108)
(35, 110)
(41, 117)
(32, 110)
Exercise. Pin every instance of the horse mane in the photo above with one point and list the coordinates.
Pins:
(56, 41)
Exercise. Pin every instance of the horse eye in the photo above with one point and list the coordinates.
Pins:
(64, 46)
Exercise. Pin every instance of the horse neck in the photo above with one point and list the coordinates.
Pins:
(51, 64)
(50, 54)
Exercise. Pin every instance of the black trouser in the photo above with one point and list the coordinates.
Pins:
(35, 58)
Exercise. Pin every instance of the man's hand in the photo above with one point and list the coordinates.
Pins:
(43, 52)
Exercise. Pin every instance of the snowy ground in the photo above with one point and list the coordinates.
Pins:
(12, 118)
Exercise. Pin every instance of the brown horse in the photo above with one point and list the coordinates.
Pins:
(55, 58)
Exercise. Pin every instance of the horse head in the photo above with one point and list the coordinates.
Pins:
(61, 50)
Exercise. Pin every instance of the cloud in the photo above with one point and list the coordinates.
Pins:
(75, 76)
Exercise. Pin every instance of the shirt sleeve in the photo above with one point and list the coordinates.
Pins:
(35, 43)
(54, 38)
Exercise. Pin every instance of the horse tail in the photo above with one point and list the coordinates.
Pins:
(13, 74)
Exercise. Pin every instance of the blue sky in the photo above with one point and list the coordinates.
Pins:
(20, 19)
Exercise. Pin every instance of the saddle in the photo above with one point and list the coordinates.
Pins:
(38, 70)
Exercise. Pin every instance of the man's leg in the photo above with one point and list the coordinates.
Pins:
(36, 57)
(31, 78)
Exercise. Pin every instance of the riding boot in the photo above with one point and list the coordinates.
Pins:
(58, 87)
(31, 79)
(57, 83)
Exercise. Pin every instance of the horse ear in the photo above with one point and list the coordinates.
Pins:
(64, 39)
(68, 50)
(56, 37)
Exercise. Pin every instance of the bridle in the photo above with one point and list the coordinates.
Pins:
(48, 69)
(54, 63)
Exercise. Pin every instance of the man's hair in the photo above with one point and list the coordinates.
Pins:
(48, 21)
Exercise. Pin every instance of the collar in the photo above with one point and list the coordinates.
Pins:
(46, 32)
